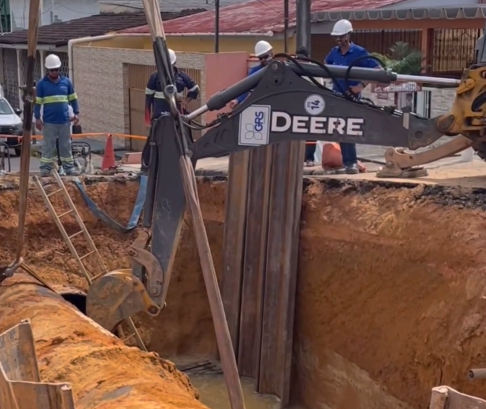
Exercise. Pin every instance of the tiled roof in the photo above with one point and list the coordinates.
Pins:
(258, 16)
(168, 5)
(58, 34)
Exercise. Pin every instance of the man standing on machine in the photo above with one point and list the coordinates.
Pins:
(346, 53)
(156, 106)
(54, 93)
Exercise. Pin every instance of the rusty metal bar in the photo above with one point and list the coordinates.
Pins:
(234, 240)
(254, 262)
(281, 270)
(71, 348)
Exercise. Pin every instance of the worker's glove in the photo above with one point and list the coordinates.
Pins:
(351, 95)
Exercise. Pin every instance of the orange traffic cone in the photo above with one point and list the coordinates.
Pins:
(109, 156)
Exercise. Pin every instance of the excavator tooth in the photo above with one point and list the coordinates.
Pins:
(402, 164)
(391, 170)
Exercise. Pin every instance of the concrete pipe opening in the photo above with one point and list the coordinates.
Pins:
(72, 295)
(77, 299)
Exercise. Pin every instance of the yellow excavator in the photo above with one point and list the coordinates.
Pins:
(287, 103)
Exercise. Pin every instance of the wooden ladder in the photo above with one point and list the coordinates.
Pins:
(93, 251)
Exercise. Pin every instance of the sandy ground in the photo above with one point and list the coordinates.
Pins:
(391, 279)
(390, 293)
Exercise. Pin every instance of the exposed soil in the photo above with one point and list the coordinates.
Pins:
(390, 294)
(392, 279)
(185, 326)
(102, 371)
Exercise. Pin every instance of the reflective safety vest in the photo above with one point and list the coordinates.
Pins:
(55, 97)
(156, 104)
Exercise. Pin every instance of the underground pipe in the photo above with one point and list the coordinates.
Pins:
(477, 373)
(104, 373)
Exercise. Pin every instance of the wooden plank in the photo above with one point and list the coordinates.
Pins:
(18, 357)
(254, 262)
(444, 397)
(20, 386)
(234, 241)
(281, 270)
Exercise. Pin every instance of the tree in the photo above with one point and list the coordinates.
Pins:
(402, 59)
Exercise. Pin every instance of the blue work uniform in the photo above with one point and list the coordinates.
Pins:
(155, 103)
(55, 97)
(336, 57)
(253, 70)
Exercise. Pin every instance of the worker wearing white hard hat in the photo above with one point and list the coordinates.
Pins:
(156, 105)
(346, 53)
(54, 94)
(172, 57)
(264, 53)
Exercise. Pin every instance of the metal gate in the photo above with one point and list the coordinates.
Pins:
(10, 76)
(37, 66)
(138, 76)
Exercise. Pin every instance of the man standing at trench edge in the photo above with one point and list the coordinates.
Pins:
(345, 54)
(54, 93)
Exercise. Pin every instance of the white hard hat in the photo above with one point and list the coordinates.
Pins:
(172, 56)
(53, 62)
(342, 27)
(262, 48)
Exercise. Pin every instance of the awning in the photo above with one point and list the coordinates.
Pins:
(448, 13)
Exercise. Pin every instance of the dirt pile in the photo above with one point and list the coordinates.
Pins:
(103, 372)
(45, 250)
(392, 279)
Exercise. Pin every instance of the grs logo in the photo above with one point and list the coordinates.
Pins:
(254, 126)
(254, 131)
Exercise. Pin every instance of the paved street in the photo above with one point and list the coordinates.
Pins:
(97, 148)
(372, 156)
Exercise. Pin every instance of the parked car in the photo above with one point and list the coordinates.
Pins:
(10, 125)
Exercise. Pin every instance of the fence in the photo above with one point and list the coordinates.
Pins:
(452, 50)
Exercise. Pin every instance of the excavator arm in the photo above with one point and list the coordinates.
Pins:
(283, 106)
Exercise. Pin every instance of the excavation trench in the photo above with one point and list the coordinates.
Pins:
(389, 298)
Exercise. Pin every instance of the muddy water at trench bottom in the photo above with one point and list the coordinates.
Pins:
(213, 393)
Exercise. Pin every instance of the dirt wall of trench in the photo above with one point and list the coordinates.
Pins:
(391, 279)
(390, 291)
(185, 327)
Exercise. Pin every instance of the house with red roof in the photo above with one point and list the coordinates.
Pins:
(445, 34)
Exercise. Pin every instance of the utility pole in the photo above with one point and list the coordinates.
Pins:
(286, 26)
(304, 24)
(216, 26)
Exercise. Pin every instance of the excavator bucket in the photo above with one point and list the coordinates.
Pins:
(116, 296)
